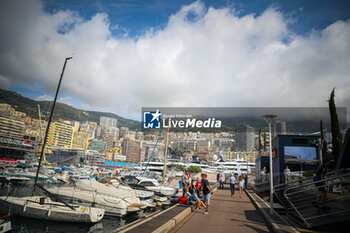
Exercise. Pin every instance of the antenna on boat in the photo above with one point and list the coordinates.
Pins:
(49, 122)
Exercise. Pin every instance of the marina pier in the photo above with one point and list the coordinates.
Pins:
(227, 214)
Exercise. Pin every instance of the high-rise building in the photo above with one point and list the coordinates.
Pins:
(244, 137)
(224, 144)
(111, 136)
(76, 126)
(132, 135)
(124, 132)
(80, 140)
(98, 145)
(139, 135)
(11, 127)
(279, 128)
(108, 122)
(60, 135)
(91, 134)
(132, 150)
(203, 145)
(191, 145)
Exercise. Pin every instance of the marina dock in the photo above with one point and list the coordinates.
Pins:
(226, 214)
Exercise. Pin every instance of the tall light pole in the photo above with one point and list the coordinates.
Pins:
(269, 119)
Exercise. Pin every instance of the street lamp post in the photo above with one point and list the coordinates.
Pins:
(269, 119)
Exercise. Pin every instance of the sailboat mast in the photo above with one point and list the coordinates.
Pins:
(166, 150)
(49, 122)
(41, 130)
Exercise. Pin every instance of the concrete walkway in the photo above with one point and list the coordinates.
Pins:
(226, 214)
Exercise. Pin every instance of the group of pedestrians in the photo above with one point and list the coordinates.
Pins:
(242, 182)
(199, 192)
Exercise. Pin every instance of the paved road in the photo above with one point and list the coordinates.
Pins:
(226, 214)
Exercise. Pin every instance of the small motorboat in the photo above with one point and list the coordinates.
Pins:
(42, 207)
(113, 206)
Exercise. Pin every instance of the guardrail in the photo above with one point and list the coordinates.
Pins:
(300, 200)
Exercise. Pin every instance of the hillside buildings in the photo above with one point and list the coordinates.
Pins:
(11, 127)
(133, 146)
(7, 110)
(108, 122)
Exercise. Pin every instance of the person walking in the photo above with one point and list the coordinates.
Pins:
(232, 184)
(206, 188)
(246, 182)
(321, 184)
(263, 174)
(221, 182)
(286, 174)
(187, 177)
(240, 185)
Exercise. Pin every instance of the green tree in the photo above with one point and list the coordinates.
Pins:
(260, 145)
(194, 169)
(325, 154)
(336, 135)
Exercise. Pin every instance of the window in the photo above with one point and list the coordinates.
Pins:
(300, 141)
(146, 183)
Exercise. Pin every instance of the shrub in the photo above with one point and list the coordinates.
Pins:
(309, 173)
(194, 169)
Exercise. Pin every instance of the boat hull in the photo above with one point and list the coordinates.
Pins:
(113, 206)
(54, 211)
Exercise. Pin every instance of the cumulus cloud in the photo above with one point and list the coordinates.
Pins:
(202, 57)
(44, 98)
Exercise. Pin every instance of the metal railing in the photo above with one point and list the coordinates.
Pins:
(300, 200)
(280, 188)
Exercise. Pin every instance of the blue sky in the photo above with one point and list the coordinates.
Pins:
(137, 16)
(129, 54)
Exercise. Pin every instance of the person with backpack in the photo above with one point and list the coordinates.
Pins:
(206, 189)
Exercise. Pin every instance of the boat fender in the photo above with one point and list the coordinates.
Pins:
(24, 208)
(49, 213)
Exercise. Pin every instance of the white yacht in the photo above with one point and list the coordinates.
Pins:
(150, 184)
(236, 165)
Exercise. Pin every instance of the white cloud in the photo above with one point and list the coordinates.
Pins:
(44, 98)
(65, 100)
(213, 59)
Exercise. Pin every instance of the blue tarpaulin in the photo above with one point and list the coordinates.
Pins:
(121, 164)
